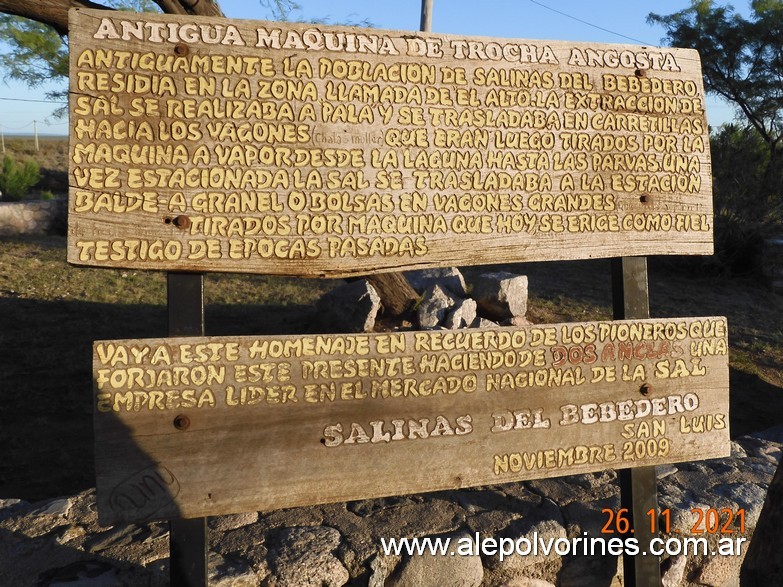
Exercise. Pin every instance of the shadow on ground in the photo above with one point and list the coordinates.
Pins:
(46, 382)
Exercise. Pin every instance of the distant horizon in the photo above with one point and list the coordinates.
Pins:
(31, 135)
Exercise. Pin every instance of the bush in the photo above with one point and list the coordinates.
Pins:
(16, 179)
(748, 184)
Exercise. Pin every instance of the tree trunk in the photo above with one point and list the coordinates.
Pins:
(55, 12)
(51, 12)
(397, 295)
(763, 564)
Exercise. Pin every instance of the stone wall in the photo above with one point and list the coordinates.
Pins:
(35, 217)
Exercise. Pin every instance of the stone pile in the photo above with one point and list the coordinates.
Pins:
(35, 217)
(491, 299)
(60, 542)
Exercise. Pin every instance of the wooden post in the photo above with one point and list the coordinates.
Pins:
(187, 538)
(35, 133)
(638, 486)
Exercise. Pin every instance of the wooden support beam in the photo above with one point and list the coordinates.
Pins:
(188, 537)
(638, 486)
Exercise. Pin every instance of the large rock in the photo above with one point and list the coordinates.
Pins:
(429, 570)
(501, 296)
(748, 496)
(462, 315)
(435, 305)
(673, 571)
(527, 582)
(351, 307)
(480, 322)
(34, 217)
(304, 557)
(723, 571)
(533, 542)
(448, 278)
(589, 571)
(232, 521)
(223, 572)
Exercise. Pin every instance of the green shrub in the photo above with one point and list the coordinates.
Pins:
(748, 192)
(16, 179)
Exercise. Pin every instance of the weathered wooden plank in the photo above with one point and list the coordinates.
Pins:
(205, 144)
(206, 426)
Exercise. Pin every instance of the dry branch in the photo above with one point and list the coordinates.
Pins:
(55, 12)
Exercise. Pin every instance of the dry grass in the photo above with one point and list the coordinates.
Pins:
(50, 314)
(36, 269)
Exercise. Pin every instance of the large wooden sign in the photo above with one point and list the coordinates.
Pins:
(190, 427)
(220, 145)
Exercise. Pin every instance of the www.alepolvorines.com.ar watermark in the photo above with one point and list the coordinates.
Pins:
(537, 546)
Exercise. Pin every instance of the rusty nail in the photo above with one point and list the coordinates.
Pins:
(645, 199)
(182, 222)
(646, 389)
(640, 73)
(182, 422)
(180, 49)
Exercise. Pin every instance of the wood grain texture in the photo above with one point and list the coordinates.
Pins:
(195, 427)
(205, 144)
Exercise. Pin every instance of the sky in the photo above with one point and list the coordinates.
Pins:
(596, 21)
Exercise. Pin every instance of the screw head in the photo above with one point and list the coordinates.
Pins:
(182, 422)
(646, 389)
(181, 49)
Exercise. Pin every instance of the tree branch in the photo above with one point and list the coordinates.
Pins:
(199, 7)
(171, 6)
(55, 12)
(51, 12)
(397, 295)
(202, 7)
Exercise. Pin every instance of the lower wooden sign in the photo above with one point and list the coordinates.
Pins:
(192, 427)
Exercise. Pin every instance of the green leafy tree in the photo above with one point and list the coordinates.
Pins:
(747, 200)
(39, 55)
(742, 58)
(291, 11)
(397, 296)
(742, 62)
